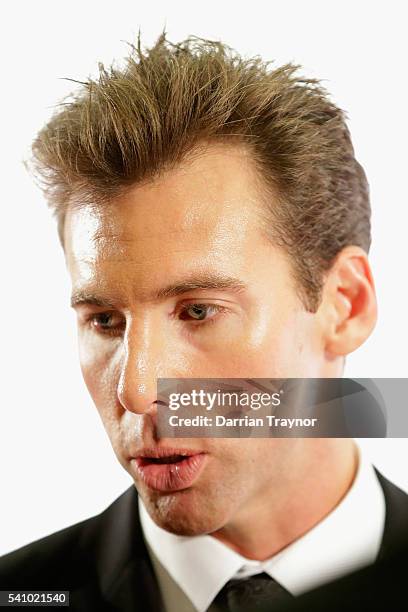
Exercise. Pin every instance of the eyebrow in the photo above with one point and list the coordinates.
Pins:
(195, 283)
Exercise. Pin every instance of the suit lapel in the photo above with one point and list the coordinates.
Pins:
(124, 571)
(395, 537)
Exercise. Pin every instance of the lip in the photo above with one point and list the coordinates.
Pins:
(167, 477)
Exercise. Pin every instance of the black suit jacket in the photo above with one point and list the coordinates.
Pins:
(381, 586)
(104, 563)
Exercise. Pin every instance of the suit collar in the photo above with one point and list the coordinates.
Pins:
(124, 573)
(395, 535)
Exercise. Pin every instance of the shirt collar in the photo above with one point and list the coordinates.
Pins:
(200, 565)
(347, 538)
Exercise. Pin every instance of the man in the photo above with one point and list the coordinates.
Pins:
(215, 223)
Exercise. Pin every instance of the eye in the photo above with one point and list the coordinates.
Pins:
(200, 312)
(107, 323)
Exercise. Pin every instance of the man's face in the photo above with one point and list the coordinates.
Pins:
(176, 279)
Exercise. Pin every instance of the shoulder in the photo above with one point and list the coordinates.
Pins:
(47, 558)
(66, 558)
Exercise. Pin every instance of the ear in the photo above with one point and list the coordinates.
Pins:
(349, 302)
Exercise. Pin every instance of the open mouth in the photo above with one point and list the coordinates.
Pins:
(169, 459)
(171, 472)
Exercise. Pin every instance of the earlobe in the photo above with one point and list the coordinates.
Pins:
(353, 302)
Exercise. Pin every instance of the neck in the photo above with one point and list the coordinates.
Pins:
(296, 501)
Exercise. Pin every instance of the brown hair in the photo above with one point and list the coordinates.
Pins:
(134, 122)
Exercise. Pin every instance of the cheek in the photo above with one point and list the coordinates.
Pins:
(286, 352)
(272, 343)
(99, 372)
(100, 378)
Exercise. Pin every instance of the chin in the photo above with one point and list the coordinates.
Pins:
(184, 513)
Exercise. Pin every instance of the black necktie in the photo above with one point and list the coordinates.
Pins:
(249, 594)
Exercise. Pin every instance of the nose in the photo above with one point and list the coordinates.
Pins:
(144, 359)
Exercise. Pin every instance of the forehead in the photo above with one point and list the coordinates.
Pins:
(206, 211)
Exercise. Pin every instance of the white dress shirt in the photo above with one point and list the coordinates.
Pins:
(346, 539)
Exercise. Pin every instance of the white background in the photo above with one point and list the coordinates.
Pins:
(56, 463)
